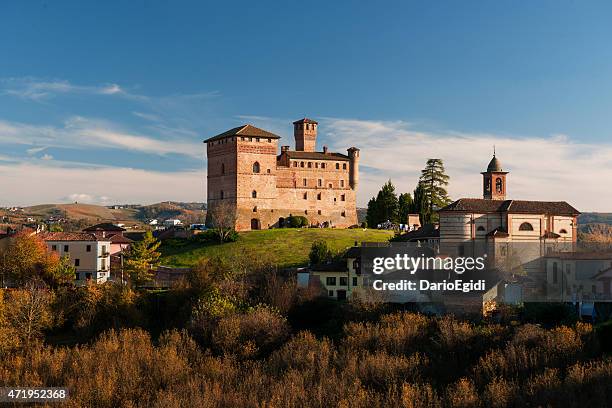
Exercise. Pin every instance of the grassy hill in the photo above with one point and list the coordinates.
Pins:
(285, 247)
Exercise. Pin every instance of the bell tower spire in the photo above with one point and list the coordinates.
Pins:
(494, 180)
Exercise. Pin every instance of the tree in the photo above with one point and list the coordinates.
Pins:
(433, 181)
(319, 252)
(222, 216)
(65, 270)
(141, 258)
(26, 258)
(419, 205)
(28, 311)
(385, 207)
(406, 205)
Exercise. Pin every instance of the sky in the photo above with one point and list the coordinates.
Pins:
(109, 102)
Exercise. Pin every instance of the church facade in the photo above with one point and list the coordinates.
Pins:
(264, 187)
(496, 218)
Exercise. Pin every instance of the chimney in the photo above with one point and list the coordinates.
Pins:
(324, 149)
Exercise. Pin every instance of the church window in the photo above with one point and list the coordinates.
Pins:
(256, 167)
(343, 166)
(337, 166)
(563, 231)
(480, 228)
(254, 194)
(498, 185)
(319, 196)
(526, 227)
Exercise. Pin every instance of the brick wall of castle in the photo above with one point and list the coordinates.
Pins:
(320, 190)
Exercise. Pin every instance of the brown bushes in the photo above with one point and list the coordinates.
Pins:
(396, 361)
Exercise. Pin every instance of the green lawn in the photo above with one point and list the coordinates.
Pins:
(285, 247)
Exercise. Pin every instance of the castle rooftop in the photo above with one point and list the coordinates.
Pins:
(244, 130)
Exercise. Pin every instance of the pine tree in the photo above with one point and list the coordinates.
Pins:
(385, 207)
(372, 213)
(405, 207)
(433, 181)
(141, 258)
(419, 205)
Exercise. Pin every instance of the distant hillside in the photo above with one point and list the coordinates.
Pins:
(186, 212)
(595, 218)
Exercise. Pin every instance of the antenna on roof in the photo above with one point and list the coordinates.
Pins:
(493, 150)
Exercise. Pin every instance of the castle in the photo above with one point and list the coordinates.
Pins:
(263, 187)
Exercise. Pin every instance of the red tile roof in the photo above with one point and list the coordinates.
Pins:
(244, 130)
(71, 236)
(480, 205)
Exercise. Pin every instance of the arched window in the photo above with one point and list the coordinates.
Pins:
(498, 185)
(526, 227)
(480, 228)
(256, 167)
(222, 168)
(254, 194)
(563, 231)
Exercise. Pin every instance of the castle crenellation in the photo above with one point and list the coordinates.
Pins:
(264, 187)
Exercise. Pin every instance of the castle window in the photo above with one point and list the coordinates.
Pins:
(305, 196)
(306, 212)
(268, 171)
(320, 182)
(316, 165)
(305, 182)
(337, 166)
(526, 227)
(254, 194)
(341, 183)
(294, 164)
(563, 231)
(335, 199)
(309, 165)
(257, 139)
(250, 139)
(342, 198)
(222, 168)
(255, 209)
(343, 214)
(221, 194)
(322, 165)
(269, 140)
(319, 196)
(301, 164)
(498, 185)
(331, 185)
(242, 138)
(256, 167)
(319, 212)
(343, 166)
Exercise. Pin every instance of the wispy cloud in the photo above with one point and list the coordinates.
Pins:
(37, 89)
(84, 132)
(541, 168)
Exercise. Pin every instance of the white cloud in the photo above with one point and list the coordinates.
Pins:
(84, 132)
(554, 168)
(46, 156)
(38, 89)
(36, 183)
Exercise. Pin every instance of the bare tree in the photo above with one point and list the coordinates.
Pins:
(223, 218)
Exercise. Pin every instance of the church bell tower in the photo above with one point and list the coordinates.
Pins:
(494, 180)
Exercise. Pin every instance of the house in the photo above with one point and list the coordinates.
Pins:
(172, 222)
(112, 232)
(90, 254)
(579, 276)
(339, 279)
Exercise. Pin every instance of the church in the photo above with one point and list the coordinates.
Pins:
(471, 222)
(263, 187)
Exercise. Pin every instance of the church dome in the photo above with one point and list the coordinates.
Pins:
(494, 165)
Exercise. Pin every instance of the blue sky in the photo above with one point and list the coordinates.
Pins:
(109, 101)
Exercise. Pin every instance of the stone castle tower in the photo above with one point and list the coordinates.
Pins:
(494, 181)
(263, 188)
